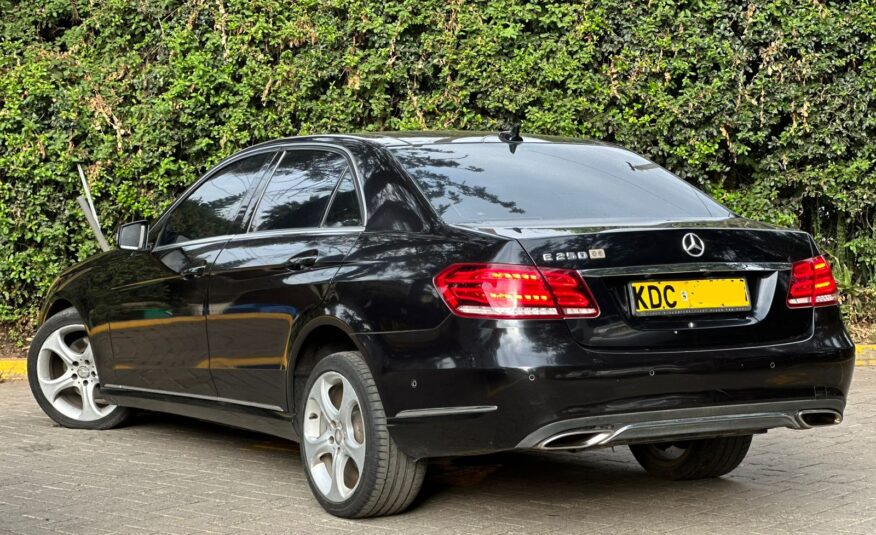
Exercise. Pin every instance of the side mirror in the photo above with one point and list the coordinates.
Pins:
(132, 236)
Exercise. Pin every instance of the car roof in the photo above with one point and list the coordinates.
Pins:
(424, 137)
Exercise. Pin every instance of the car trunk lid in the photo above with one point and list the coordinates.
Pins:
(611, 258)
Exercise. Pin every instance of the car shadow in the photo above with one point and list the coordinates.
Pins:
(586, 475)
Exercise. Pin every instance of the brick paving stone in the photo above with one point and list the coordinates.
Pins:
(165, 474)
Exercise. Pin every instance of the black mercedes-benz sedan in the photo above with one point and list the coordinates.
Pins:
(386, 299)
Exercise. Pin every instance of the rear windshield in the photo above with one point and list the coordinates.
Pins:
(478, 182)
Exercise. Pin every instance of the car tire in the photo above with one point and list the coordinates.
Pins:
(63, 376)
(692, 459)
(353, 467)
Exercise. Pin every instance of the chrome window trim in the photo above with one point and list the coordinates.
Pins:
(694, 267)
(199, 241)
(321, 231)
(194, 396)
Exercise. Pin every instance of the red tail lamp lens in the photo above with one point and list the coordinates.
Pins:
(812, 284)
(507, 291)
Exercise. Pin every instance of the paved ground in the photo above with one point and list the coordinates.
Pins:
(172, 475)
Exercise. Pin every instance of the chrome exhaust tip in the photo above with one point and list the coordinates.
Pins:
(575, 440)
(818, 418)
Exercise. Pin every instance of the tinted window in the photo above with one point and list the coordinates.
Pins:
(299, 190)
(211, 209)
(344, 211)
(557, 181)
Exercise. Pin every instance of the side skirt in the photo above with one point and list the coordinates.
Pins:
(262, 420)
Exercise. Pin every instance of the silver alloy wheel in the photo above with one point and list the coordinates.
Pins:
(334, 436)
(68, 377)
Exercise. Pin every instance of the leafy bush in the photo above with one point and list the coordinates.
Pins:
(770, 105)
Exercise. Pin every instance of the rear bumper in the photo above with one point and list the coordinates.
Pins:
(471, 387)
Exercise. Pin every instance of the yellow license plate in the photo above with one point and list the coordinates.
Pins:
(654, 298)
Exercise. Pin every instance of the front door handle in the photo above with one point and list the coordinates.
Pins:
(194, 271)
(302, 260)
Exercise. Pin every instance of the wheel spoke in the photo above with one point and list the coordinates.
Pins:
(338, 487)
(355, 451)
(52, 387)
(329, 411)
(348, 403)
(56, 344)
(322, 476)
(87, 353)
(90, 410)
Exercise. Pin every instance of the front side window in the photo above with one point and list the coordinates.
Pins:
(213, 207)
(299, 191)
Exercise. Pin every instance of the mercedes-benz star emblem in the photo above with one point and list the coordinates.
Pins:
(693, 244)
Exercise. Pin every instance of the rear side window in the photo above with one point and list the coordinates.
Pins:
(212, 208)
(480, 182)
(299, 190)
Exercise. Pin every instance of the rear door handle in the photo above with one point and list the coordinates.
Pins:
(194, 271)
(302, 260)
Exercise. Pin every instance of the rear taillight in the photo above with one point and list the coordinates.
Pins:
(507, 291)
(812, 284)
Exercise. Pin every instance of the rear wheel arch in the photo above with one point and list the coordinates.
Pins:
(317, 340)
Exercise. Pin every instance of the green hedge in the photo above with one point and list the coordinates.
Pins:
(769, 106)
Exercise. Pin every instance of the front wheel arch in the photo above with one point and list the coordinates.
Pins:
(53, 308)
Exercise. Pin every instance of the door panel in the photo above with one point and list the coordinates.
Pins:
(257, 300)
(158, 326)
